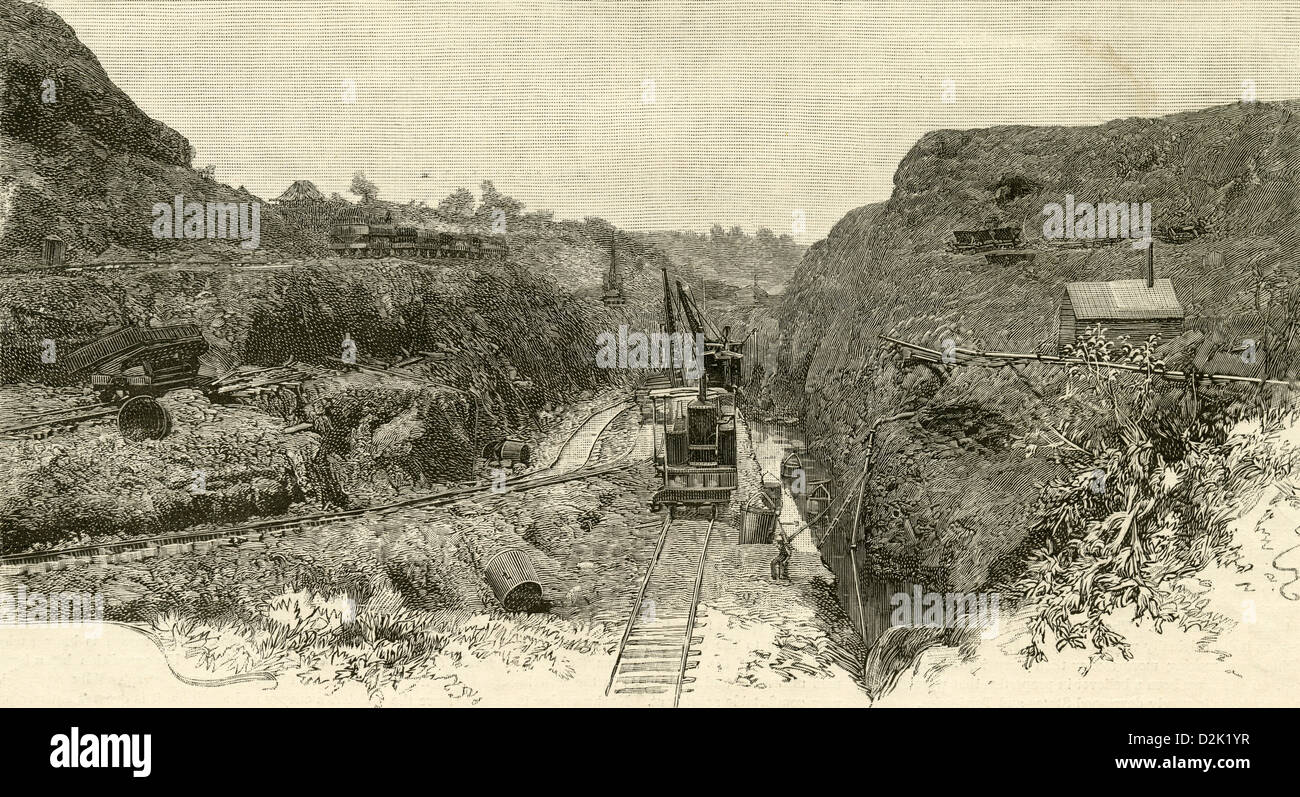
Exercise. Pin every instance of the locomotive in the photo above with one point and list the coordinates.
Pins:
(698, 457)
(699, 446)
(356, 235)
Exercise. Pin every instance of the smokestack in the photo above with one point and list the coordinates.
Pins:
(704, 384)
(1151, 264)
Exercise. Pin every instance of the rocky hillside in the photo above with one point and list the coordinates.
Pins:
(79, 159)
(951, 485)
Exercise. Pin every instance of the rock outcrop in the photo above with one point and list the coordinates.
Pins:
(79, 159)
(951, 497)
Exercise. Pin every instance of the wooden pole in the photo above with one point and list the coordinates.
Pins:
(857, 514)
(654, 436)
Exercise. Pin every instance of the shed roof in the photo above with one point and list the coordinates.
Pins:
(1123, 299)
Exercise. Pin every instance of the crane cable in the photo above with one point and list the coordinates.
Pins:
(821, 514)
(866, 470)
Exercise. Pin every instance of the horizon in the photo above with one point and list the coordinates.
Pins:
(754, 114)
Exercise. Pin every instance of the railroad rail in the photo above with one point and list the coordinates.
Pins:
(182, 265)
(659, 640)
(128, 265)
(53, 419)
(278, 526)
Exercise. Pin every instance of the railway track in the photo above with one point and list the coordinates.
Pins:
(659, 641)
(54, 420)
(301, 523)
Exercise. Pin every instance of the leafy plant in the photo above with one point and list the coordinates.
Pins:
(1145, 505)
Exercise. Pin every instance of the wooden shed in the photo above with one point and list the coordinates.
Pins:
(1122, 307)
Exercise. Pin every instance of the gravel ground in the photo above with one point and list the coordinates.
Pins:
(413, 573)
(219, 464)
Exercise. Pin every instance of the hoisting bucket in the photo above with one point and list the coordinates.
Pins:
(758, 519)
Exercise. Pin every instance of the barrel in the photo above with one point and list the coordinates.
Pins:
(727, 445)
(52, 251)
(143, 418)
(676, 446)
(516, 451)
(514, 580)
(702, 432)
(757, 520)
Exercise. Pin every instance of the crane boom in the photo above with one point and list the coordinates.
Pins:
(693, 317)
(670, 318)
(699, 321)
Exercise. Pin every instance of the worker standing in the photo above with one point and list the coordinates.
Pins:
(781, 564)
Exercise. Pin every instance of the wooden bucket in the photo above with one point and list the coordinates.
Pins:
(511, 449)
(757, 520)
(792, 463)
(514, 580)
(516, 451)
(819, 500)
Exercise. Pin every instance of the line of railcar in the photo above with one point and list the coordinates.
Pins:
(356, 236)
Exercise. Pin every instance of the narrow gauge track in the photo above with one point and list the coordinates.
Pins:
(181, 265)
(53, 419)
(543, 478)
(133, 265)
(659, 640)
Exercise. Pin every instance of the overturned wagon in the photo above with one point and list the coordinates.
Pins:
(968, 241)
(140, 361)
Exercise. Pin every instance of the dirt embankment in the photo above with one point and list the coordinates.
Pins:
(955, 486)
(79, 159)
(505, 350)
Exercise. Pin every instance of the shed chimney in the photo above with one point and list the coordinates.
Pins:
(1151, 264)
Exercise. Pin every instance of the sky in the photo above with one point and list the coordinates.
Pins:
(657, 115)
